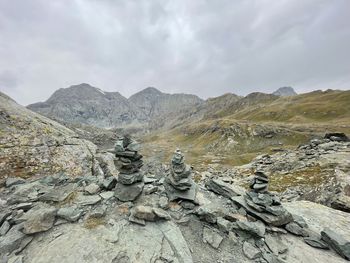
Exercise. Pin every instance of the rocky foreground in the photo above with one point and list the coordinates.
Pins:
(109, 207)
(63, 219)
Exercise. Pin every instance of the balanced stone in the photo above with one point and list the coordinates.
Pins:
(179, 183)
(128, 161)
(260, 182)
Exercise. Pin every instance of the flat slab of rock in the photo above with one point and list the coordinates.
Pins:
(132, 243)
(337, 242)
(14, 181)
(84, 200)
(71, 214)
(212, 237)
(127, 193)
(174, 194)
(92, 189)
(251, 251)
(224, 189)
(11, 241)
(39, 219)
(318, 217)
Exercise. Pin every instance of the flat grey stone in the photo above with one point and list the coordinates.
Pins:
(11, 240)
(175, 194)
(109, 183)
(337, 242)
(98, 212)
(4, 228)
(255, 228)
(275, 244)
(127, 193)
(16, 259)
(70, 214)
(14, 181)
(316, 242)
(296, 229)
(250, 251)
(92, 188)
(84, 200)
(107, 195)
(39, 219)
(212, 237)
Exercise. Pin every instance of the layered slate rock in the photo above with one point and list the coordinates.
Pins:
(129, 161)
(262, 204)
(179, 183)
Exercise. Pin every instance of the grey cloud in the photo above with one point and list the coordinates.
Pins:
(202, 47)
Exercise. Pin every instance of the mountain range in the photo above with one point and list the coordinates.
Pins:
(85, 104)
(88, 105)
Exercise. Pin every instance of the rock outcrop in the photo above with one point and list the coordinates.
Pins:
(33, 145)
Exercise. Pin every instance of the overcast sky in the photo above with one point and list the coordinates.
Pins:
(203, 47)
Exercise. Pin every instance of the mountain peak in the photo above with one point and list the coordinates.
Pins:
(150, 90)
(285, 91)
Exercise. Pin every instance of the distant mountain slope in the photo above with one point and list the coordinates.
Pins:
(285, 91)
(154, 103)
(235, 132)
(84, 104)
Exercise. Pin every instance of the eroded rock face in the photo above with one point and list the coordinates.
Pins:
(32, 145)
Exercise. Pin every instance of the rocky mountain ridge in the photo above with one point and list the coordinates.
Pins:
(84, 104)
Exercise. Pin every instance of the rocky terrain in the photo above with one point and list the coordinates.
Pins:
(84, 104)
(91, 219)
(65, 199)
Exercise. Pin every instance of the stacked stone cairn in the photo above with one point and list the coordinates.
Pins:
(179, 184)
(129, 161)
(263, 205)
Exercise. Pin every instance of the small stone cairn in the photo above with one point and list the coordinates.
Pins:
(128, 161)
(262, 204)
(179, 184)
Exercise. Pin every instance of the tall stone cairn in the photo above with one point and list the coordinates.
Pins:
(128, 161)
(179, 182)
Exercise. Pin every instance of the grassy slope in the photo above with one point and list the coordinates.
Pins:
(236, 134)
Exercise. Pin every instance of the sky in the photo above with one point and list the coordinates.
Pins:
(202, 47)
